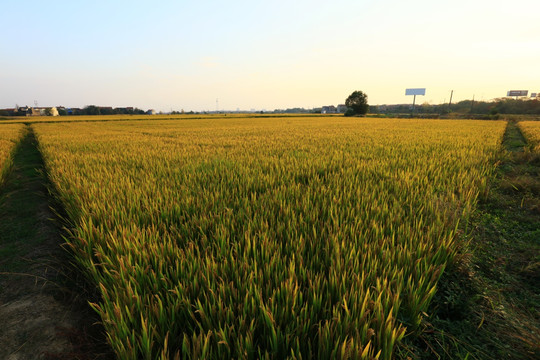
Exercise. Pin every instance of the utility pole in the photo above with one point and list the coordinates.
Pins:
(450, 102)
(472, 103)
(217, 104)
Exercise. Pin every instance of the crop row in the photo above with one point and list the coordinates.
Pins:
(266, 238)
(10, 134)
(531, 131)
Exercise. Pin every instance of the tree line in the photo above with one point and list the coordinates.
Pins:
(495, 107)
(102, 110)
(87, 110)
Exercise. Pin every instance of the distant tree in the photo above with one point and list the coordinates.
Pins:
(91, 110)
(106, 111)
(357, 101)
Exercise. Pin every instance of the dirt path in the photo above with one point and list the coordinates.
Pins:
(44, 314)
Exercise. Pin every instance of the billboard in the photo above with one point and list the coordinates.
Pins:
(517, 93)
(419, 91)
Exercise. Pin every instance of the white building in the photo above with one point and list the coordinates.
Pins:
(330, 109)
(341, 108)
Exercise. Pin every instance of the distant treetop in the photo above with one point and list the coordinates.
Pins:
(357, 101)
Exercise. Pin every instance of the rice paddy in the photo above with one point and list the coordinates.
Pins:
(531, 130)
(10, 134)
(266, 237)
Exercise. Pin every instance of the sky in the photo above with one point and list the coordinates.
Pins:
(228, 55)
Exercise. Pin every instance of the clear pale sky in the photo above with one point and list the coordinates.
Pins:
(263, 54)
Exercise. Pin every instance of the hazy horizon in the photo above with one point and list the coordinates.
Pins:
(177, 55)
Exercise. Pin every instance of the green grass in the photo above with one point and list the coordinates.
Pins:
(513, 140)
(487, 305)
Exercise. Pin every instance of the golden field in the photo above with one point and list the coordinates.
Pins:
(531, 130)
(10, 134)
(282, 237)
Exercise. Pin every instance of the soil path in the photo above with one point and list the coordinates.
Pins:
(42, 317)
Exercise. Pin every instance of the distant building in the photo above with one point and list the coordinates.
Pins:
(42, 111)
(8, 112)
(34, 111)
(342, 108)
(21, 110)
(330, 109)
(151, 112)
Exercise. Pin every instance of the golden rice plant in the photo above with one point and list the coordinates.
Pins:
(531, 131)
(10, 134)
(266, 238)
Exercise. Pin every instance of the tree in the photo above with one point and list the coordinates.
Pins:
(357, 101)
(91, 110)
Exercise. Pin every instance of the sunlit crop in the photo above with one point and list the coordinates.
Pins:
(9, 137)
(312, 238)
(531, 131)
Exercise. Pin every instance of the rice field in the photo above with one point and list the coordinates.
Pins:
(123, 117)
(266, 238)
(531, 131)
(10, 134)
